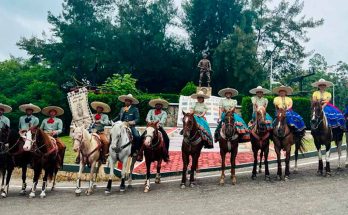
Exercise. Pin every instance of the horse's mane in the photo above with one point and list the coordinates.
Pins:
(42, 137)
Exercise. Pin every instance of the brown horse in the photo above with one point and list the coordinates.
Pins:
(44, 155)
(284, 138)
(192, 145)
(154, 150)
(228, 142)
(323, 135)
(260, 136)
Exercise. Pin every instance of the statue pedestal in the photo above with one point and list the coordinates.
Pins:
(205, 90)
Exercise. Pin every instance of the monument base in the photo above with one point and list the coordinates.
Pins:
(205, 90)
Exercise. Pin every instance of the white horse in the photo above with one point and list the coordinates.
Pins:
(120, 150)
(88, 146)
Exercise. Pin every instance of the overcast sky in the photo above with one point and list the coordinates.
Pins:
(20, 18)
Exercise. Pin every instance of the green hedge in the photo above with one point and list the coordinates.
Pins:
(301, 106)
(143, 105)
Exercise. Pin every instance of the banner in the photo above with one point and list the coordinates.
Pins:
(79, 106)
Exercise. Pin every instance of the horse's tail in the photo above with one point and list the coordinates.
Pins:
(300, 140)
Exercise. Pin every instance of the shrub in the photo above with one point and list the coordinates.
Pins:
(189, 89)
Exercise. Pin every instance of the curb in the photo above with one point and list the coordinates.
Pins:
(75, 168)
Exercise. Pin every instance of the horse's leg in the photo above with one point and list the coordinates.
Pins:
(185, 162)
(78, 181)
(158, 175)
(266, 151)
(123, 174)
(148, 175)
(287, 162)
(234, 153)
(130, 178)
(91, 178)
(327, 159)
(255, 152)
(296, 157)
(339, 151)
(279, 172)
(111, 174)
(346, 149)
(44, 185)
(37, 173)
(194, 166)
(24, 178)
(260, 164)
(54, 179)
(7, 184)
(223, 166)
(3, 174)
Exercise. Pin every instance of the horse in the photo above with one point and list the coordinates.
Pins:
(6, 162)
(154, 150)
(120, 150)
(323, 135)
(192, 145)
(44, 156)
(260, 137)
(283, 139)
(228, 142)
(88, 146)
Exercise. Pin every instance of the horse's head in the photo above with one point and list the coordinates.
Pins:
(118, 134)
(280, 127)
(189, 123)
(78, 137)
(229, 125)
(151, 133)
(317, 114)
(29, 138)
(4, 134)
(261, 118)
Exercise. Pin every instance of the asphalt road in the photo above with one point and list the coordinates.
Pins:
(304, 193)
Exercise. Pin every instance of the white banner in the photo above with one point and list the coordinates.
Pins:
(79, 106)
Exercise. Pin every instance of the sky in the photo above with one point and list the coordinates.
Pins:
(25, 18)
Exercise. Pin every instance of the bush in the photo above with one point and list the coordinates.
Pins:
(189, 89)
(301, 106)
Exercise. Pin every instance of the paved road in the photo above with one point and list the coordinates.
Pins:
(304, 193)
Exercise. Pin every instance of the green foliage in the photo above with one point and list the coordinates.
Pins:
(189, 89)
(300, 105)
(120, 84)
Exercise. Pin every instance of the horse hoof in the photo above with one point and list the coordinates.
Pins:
(43, 195)
(286, 178)
(260, 170)
(222, 182)
(182, 186)
(107, 192)
(279, 177)
(147, 189)
(192, 185)
(328, 174)
(267, 178)
(22, 192)
(32, 195)
(88, 193)
(3, 195)
(158, 180)
(53, 188)
(319, 173)
(253, 177)
(122, 189)
(234, 181)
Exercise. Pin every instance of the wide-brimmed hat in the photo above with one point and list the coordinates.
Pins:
(23, 108)
(163, 102)
(106, 108)
(199, 94)
(322, 82)
(259, 89)
(46, 111)
(129, 97)
(288, 90)
(7, 109)
(223, 92)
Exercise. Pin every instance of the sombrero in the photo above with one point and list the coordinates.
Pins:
(163, 102)
(322, 82)
(199, 94)
(24, 108)
(259, 89)
(288, 90)
(7, 109)
(46, 110)
(223, 92)
(129, 97)
(106, 107)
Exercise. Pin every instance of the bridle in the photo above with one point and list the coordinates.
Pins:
(229, 123)
(318, 117)
(260, 128)
(153, 137)
(118, 149)
(37, 149)
(281, 119)
(193, 139)
(80, 146)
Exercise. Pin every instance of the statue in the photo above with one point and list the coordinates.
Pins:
(205, 69)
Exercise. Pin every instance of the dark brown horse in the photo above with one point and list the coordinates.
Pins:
(228, 142)
(192, 145)
(12, 155)
(154, 150)
(45, 156)
(284, 138)
(323, 136)
(260, 136)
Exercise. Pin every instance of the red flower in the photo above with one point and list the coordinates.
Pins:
(97, 116)
(50, 121)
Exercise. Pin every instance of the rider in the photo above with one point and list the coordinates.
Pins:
(130, 114)
(293, 119)
(260, 101)
(333, 115)
(229, 104)
(199, 109)
(3, 119)
(158, 114)
(28, 121)
(54, 127)
(101, 119)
